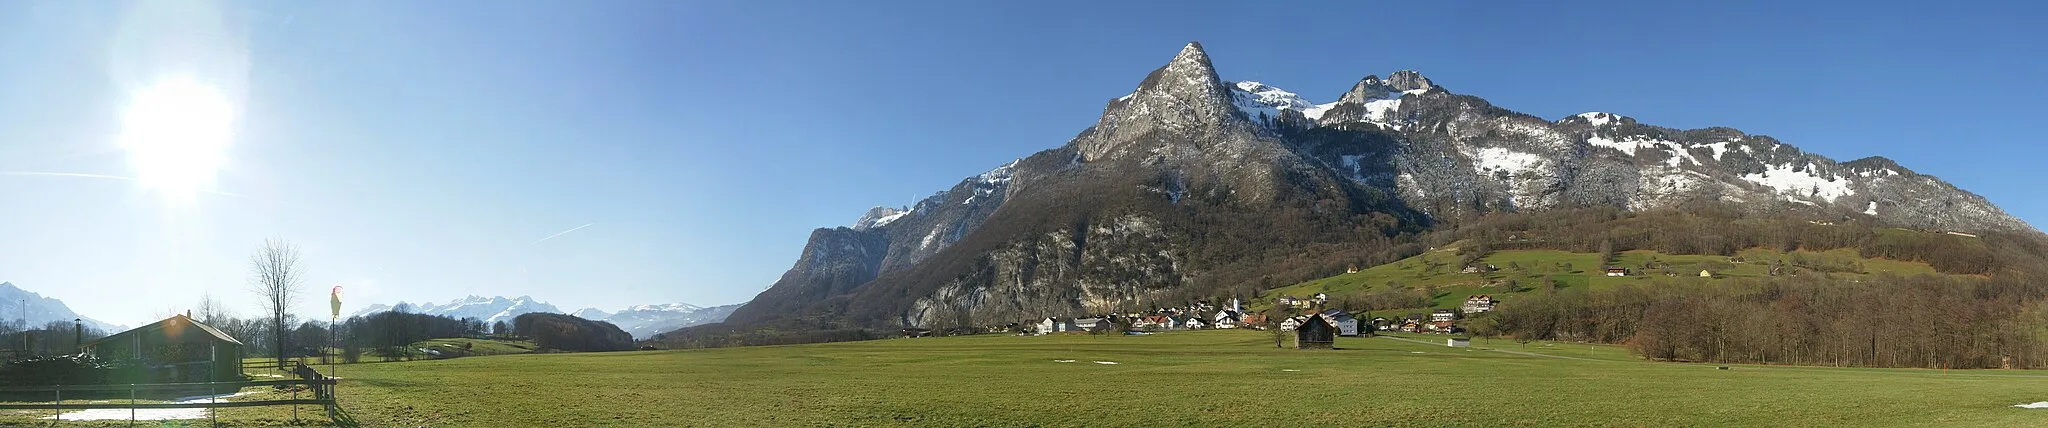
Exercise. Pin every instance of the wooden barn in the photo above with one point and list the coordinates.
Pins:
(177, 349)
(1316, 332)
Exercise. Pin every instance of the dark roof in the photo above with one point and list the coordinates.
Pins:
(216, 333)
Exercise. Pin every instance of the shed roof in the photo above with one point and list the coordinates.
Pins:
(159, 325)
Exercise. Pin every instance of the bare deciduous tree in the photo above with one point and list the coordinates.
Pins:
(278, 281)
(211, 311)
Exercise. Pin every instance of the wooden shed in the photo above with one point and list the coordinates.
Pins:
(1316, 332)
(177, 349)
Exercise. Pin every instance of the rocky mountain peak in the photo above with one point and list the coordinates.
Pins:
(1409, 80)
(1368, 89)
(1183, 98)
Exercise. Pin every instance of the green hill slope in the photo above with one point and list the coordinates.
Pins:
(1437, 274)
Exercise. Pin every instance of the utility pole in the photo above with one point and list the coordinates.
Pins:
(77, 335)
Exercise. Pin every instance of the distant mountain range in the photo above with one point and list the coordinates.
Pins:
(640, 320)
(489, 309)
(644, 321)
(18, 305)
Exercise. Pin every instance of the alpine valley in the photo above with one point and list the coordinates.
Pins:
(1193, 186)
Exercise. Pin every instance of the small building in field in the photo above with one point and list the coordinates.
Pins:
(1458, 342)
(1617, 271)
(177, 349)
(1316, 332)
(1195, 323)
(1705, 274)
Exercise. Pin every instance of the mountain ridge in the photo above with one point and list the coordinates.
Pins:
(41, 310)
(1191, 182)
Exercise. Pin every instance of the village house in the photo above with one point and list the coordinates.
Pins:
(1347, 325)
(1290, 323)
(1478, 304)
(1443, 315)
(1195, 323)
(1226, 319)
(1288, 301)
(177, 349)
(1254, 321)
(1617, 271)
(1322, 298)
(1316, 332)
(1092, 324)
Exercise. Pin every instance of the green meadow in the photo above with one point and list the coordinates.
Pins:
(1204, 378)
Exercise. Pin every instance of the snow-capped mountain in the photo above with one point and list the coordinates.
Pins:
(1192, 185)
(30, 310)
(488, 309)
(647, 320)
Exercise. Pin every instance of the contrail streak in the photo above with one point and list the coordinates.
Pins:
(99, 176)
(565, 232)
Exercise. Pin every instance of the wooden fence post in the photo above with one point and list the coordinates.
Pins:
(60, 404)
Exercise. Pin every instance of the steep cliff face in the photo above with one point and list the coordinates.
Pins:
(1192, 184)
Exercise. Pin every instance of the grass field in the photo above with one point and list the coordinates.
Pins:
(1530, 268)
(1206, 378)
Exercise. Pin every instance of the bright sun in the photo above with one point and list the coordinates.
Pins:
(176, 134)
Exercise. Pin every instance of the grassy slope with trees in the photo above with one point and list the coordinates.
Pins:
(1849, 293)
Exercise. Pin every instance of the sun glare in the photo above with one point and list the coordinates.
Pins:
(176, 134)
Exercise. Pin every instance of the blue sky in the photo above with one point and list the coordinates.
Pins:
(422, 150)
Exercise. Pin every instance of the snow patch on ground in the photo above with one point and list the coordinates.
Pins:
(1872, 210)
(1800, 183)
(1062, 361)
(1106, 362)
(149, 414)
(1316, 112)
(2033, 405)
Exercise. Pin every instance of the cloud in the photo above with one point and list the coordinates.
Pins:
(565, 232)
(98, 176)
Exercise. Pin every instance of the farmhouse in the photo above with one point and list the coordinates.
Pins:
(1316, 332)
(1195, 323)
(177, 349)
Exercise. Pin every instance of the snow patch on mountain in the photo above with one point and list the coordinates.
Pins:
(1497, 159)
(1599, 118)
(1797, 181)
(1258, 100)
(1872, 210)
